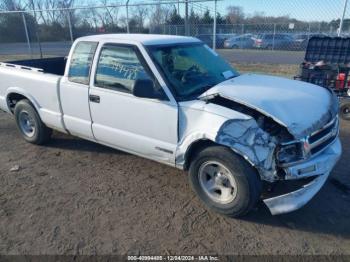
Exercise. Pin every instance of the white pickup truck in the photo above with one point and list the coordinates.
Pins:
(174, 100)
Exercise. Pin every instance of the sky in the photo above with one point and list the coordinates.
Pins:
(309, 10)
(306, 10)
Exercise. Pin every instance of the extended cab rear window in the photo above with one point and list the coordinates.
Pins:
(81, 62)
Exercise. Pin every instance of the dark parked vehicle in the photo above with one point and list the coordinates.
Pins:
(208, 39)
(300, 41)
(242, 41)
(273, 41)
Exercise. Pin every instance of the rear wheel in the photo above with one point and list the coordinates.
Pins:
(224, 181)
(345, 110)
(33, 130)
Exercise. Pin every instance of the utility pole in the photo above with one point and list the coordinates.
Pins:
(70, 26)
(186, 18)
(342, 18)
(127, 17)
(214, 28)
(27, 34)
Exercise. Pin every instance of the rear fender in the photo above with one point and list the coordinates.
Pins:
(23, 92)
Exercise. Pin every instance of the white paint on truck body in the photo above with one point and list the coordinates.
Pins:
(165, 130)
(41, 89)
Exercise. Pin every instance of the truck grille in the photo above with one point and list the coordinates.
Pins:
(320, 139)
(310, 145)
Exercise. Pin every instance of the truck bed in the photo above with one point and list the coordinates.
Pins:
(55, 65)
(38, 80)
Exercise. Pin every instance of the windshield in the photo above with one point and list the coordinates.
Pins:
(191, 69)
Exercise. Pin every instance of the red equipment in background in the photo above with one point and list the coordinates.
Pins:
(327, 63)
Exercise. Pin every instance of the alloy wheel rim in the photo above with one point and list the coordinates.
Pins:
(26, 124)
(217, 182)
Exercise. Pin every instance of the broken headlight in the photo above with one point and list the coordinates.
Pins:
(290, 153)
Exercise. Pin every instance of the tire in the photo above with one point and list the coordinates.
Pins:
(344, 110)
(32, 129)
(241, 186)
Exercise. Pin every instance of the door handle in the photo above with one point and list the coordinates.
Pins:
(94, 98)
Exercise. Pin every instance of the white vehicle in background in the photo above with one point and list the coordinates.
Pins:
(174, 100)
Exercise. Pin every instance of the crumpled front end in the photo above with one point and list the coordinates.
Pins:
(320, 167)
(280, 153)
(246, 138)
(279, 156)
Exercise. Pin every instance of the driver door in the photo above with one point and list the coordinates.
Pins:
(142, 126)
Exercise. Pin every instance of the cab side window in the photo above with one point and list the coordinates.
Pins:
(118, 68)
(81, 62)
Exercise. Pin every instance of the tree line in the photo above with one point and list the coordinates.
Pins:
(51, 25)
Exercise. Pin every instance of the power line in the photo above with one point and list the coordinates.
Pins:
(203, 8)
(168, 2)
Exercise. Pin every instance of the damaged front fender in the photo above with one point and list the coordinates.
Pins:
(230, 128)
(246, 138)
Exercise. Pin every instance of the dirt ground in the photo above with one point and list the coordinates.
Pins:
(77, 197)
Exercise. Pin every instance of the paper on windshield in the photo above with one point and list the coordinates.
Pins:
(227, 74)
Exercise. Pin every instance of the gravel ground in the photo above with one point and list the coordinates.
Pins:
(77, 197)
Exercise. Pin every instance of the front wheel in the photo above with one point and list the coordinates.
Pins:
(224, 181)
(28, 121)
(345, 110)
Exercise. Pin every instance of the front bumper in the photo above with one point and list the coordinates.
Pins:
(3, 104)
(319, 166)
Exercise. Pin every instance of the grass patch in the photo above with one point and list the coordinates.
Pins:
(5, 58)
(284, 70)
(259, 51)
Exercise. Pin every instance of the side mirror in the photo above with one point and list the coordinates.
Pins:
(145, 88)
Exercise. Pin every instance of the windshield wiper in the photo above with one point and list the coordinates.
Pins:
(205, 88)
(196, 93)
(202, 90)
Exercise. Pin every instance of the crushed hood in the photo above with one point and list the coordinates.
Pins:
(301, 107)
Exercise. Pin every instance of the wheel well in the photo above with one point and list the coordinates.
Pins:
(13, 99)
(345, 102)
(200, 145)
(194, 148)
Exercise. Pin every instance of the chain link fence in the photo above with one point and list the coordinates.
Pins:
(47, 28)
